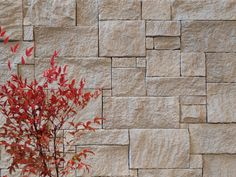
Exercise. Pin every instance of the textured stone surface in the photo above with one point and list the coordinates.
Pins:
(204, 10)
(162, 28)
(160, 86)
(141, 112)
(196, 161)
(193, 100)
(73, 41)
(128, 82)
(26, 72)
(156, 10)
(193, 113)
(166, 42)
(141, 62)
(113, 39)
(28, 33)
(159, 148)
(149, 43)
(171, 173)
(123, 62)
(221, 101)
(5, 74)
(212, 138)
(208, 36)
(221, 67)
(119, 9)
(163, 63)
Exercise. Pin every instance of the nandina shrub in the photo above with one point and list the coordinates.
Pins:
(34, 114)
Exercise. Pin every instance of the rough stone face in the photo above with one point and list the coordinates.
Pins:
(156, 9)
(128, 82)
(149, 43)
(167, 43)
(124, 62)
(208, 36)
(193, 113)
(28, 33)
(204, 10)
(221, 67)
(108, 161)
(221, 101)
(74, 41)
(119, 9)
(26, 72)
(141, 112)
(87, 12)
(171, 173)
(219, 165)
(163, 63)
(193, 64)
(113, 39)
(5, 74)
(162, 28)
(141, 62)
(159, 148)
(212, 138)
(49, 13)
(175, 86)
(196, 161)
(188, 100)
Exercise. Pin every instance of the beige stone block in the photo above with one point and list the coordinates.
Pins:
(196, 161)
(17, 173)
(212, 138)
(193, 64)
(73, 42)
(221, 67)
(188, 100)
(126, 62)
(159, 148)
(119, 9)
(122, 38)
(175, 86)
(28, 33)
(141, 112)
(156, 10)
(128, 82)
(149, 43)
(6, 158)
(163, 63)
(170, 172)
(163, 28)
(221, 99)
(141, 62)
(5, 73)
(167, 42)
(106, 93)
(26, 72)
(193, 113)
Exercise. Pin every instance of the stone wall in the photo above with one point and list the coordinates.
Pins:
(168, 73)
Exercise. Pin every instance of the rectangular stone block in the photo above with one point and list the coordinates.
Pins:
(162, 28)
(159, 148)
(170, 173)
(196, 161)
(5, 73)
(212, 138)
(74, 41)
(188, 100)
(221, 67)
(113, 40)
(208, 36)
(193, 113)
(204, 10)
(175, 86)
(27, 72)
(221, 99)
(167, 43)
(124, 62)
(119, 9)
(141, 112)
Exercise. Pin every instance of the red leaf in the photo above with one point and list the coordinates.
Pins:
(6, 40)
(9, 64)
(28, 51)
(22, 60)
(2, 33)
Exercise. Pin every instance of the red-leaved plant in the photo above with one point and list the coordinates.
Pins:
(34, 114)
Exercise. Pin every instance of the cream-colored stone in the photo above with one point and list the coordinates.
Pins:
(5, 73)
(193, 64)
(108, 161)
(122, 38)
(11, 18)
(26, 72)
(212, 138)
(162, 28)
(165, 63)
(28, 33)
(149, 43)
(17, 173)
(141, 112)
(6, 159)
(156, 10)
(221, 67)
(204, 10)
(183, 126)
(106, 93)
(159, 148)
(74, 41)
(221, 99)
(167, 42)
(124, 62)
(193, 113)
(128, 82)
(49, 13)
(141, 62)
(119, 9)
(196, 161)
(87, 12)
(188, 100)
(175, 86)
(208, 36)
(170, 173)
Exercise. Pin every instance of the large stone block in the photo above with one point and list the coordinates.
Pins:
(167, 43)
(160, 86)
(193, 113)
(74, 41)
(221, 67)
(159, 148)
(141, 112)
(162, 28)
(122, 38)
(170, 173)
(208, 36)
(221, 99)
(212, 138)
